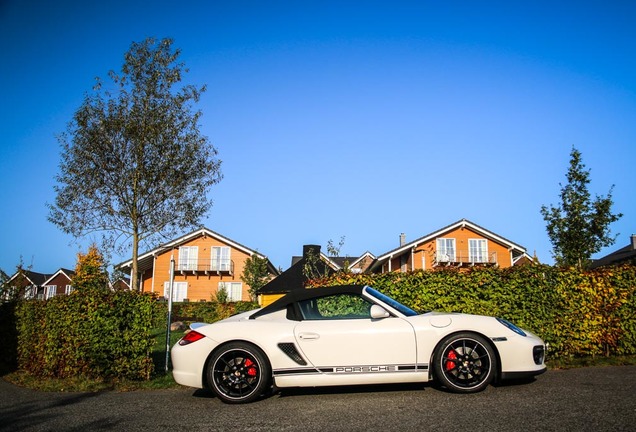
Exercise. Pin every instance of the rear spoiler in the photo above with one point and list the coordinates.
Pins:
(196, 325)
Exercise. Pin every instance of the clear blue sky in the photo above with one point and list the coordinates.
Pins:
(337, 118)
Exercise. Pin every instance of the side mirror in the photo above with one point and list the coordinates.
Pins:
(378, 312)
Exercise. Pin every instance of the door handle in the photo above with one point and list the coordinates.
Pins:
(308, 336)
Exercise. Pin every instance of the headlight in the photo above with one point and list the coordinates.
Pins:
(511, 326)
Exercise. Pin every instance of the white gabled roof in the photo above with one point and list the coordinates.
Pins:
(361, 257)
(63, 271)
(186, 238)
(459, 224)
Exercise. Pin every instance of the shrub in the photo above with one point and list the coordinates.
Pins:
(92, 333)
(578, 312)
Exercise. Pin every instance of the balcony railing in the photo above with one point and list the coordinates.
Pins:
(461, 258)
(218, 266)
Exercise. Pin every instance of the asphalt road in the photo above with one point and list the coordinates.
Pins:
(588, 399)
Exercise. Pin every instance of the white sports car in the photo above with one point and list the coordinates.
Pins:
(350, 335)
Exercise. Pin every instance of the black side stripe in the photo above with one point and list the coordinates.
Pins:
(337, 370)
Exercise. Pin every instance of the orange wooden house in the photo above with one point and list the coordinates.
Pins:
(460, 244)
(204, 263)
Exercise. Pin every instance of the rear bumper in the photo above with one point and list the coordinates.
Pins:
(188, 362)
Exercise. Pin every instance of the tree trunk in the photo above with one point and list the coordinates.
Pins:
(134, 278)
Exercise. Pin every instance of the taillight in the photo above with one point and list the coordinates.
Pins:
(191, 336)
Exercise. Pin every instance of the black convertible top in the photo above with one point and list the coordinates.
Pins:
(307, 294)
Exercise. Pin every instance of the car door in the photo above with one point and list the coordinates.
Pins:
(337, 334)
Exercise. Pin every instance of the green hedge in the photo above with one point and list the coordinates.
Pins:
(104, 334)
(208, 312)
(577, 312)
(92, 333)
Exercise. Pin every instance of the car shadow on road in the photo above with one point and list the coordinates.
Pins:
(204, 394)
(361, 389)
(307, 391)
(515, 382)
(357, 389)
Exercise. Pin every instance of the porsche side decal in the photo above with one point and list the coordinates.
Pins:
(353, 369)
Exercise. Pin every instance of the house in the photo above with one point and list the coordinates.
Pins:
(58, 283)
(459, 244)
(354, 264)
(204, 263)
(120, 284)
(26, 284)
(625, 255)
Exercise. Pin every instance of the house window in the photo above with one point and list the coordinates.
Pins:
(188, 257)
(446, 250)
(30, 292)
(50, 291)
(234, 290)
(220, 258)
(69, 289)
(478, 250)
(179, 291)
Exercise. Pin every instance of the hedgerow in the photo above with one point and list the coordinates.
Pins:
(208, 311)
(91, 333)
(577, 312)
(103, 334)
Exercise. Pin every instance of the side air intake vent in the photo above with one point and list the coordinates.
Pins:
(291, 351)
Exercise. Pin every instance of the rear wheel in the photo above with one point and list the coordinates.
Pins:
(238, 372)
(464, 363)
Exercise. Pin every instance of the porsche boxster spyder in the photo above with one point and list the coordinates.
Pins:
(350, 335)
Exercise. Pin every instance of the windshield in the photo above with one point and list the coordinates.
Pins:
(391, 302)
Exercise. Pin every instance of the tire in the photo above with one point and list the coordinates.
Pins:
(238, 372)
(464, 363)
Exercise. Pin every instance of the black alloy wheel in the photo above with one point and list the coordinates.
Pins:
(465, 363)
(238, 372)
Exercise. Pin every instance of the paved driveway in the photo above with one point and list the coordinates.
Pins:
(588, 399)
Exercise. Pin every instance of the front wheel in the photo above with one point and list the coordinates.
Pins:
(238, 372)
(464, 363)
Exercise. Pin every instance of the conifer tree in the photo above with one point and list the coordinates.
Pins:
(579, 226)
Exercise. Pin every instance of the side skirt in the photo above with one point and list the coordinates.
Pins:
(350, 375)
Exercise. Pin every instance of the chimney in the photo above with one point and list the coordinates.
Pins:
(402, 239)
(633, 241)
(311, 250)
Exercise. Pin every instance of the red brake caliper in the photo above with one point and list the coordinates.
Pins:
(251, 371)
(450, 365)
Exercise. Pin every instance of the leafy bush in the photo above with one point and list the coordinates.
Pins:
(101, 334)
(92, 333)
(208, 312)
(578, 312)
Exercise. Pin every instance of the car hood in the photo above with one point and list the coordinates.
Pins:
(445, 319)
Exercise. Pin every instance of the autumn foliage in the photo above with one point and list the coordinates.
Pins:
(577, 312)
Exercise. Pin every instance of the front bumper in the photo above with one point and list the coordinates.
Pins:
(521, 356)
(522, 375)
